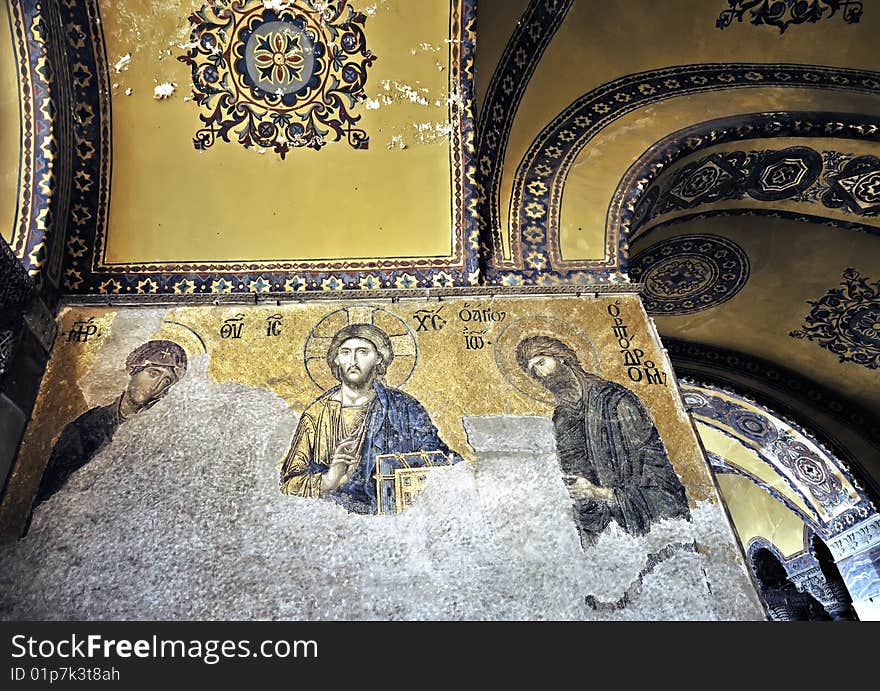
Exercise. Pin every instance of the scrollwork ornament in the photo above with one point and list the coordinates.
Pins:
(278, 77)
(846, 321)
(784, 13)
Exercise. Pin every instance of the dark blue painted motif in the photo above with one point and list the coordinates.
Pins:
(809, 469)
(855, 185)
(784, 13)
(37, 180)
(846, 321)
(765, 176)
(279, 78)
(690, 273)
(644, 192)
(534, 31)
(92, 162)
(783, 174)
(746, 422)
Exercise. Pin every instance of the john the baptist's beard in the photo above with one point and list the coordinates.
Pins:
(561, 383)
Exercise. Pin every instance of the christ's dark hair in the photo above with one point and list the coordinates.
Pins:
(367, 332)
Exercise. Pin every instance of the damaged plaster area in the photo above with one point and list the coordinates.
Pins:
(392, 93)
(164, 90)
(152, 32)
(142, 44)
(180, 517)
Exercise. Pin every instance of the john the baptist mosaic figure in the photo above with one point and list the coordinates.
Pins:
(611, 454)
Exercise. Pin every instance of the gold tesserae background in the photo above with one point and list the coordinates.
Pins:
(452, 373)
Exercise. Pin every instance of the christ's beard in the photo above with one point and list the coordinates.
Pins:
(360, 381)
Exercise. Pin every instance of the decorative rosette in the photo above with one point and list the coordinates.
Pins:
(279, 75)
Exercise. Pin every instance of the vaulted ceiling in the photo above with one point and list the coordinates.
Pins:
(734, 171)
(727, 158)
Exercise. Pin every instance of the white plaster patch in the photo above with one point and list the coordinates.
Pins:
(278, 5)
(428, 132)
(164, 90)
(396, 142)
(180, 517)
(370, 10)
(395, 91)
(122, 63)
(425, 48)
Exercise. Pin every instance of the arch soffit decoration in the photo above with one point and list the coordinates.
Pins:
(770, 385)
(805, 465)
(722, 466)
(794, 564)
(636, 195)
(38, 80)
(539, 181)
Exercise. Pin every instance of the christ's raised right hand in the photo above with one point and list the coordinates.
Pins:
(342, 468)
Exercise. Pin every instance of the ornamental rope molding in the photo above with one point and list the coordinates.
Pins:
(846, 321)
(280, 78)
(784, 13)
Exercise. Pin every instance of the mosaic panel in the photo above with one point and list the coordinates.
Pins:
(380, 419)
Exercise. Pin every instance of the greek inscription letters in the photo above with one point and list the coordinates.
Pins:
(479, 313)
(429, 319)
(82, 330)
(273, 325)
(633, 357)
(654, 374)
(637, 369)
(232, 327)
(475, 340)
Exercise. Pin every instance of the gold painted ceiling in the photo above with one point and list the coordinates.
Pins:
(731, 170)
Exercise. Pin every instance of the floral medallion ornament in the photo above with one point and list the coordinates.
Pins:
(810, 470)
(278, 75)
(846, 321)
(689, 273)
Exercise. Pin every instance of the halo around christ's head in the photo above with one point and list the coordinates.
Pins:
(525, 327)
(403, 343)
